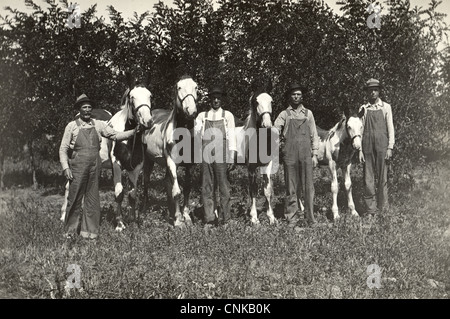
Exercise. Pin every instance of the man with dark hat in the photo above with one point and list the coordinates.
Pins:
(216, 128)
(81, 140)
(297, 128)
(377, 143)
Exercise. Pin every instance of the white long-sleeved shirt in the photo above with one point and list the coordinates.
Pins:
(215, 115)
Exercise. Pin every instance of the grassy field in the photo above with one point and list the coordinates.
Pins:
(150, 259)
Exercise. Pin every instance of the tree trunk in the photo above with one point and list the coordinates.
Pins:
(33, 165)
(2, 171)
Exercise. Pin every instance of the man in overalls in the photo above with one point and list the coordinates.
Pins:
(377, 143)
(216, 127)
(297, 128)
(81, 143)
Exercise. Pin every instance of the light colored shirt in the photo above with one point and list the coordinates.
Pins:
(71, 133)
(387, 112)
(281, 124)
(215, 115)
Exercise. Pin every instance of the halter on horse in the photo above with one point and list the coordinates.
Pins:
(336, 149)
(259, 118)
(159, 141)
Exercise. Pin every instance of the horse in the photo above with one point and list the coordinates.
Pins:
(135, 109)
(160, 140)
(250, 150)
(337, 147)
(129, 154)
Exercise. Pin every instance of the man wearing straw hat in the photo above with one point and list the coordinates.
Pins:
(377, 143)
(81, 140)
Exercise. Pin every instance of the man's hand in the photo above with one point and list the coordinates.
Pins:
(361, 157)
(315, 161)
(388, 154)
(68, 174)
(139, 128)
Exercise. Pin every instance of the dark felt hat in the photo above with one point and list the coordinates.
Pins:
(217, 90)
(295, 86)
(371, 83)
(82, 99)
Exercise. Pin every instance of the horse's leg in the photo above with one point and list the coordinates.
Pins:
(118, 194)
(132, 194)
(348, 188)
(148, 168)
(253, 190)
(187, 192)
(64, 205)
(268, 192)
(334, 188)
(174, 193)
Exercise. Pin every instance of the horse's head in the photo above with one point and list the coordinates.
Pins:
(138, 102)
(354, 128)
(186, 97)
(262, 106)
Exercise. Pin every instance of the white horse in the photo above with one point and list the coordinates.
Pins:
(336, 149)
(136, 109)
(250, 150)
(160, 142)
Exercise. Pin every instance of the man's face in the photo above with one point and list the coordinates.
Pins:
(373, 93)
(296, 98)
(216, 101)
(85, 112)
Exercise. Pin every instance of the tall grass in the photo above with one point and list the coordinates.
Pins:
(152, 260)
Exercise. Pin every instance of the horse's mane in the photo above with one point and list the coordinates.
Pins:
(335, 128)
(250, 120)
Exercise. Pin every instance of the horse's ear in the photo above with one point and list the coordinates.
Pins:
(147, 79)
(361, 112)
(346, 111)
(269, 86)
(129, 79)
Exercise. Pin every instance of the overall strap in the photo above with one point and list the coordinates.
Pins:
(306, 112)
(77, 121)
(288, 113)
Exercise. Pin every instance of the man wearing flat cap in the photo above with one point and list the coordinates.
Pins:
(216, 128)
(297, 127)
(81, 140)
(377, 143)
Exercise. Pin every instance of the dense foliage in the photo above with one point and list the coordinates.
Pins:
(44, 63)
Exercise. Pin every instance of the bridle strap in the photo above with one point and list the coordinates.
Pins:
(187, 95)
(348, 134)
(137, 108)
(267, 112)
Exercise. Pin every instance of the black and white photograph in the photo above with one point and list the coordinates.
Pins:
(225, 157)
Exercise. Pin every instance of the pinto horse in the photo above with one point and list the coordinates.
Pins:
(251, 143)
(129, 154)
(160, 141)
(336, 150)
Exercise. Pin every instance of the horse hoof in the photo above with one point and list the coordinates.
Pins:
(255, 221)
(273, 221)
(336, 217)
(120, 226)
(355, 213)
(179, 224)
(188, 221)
